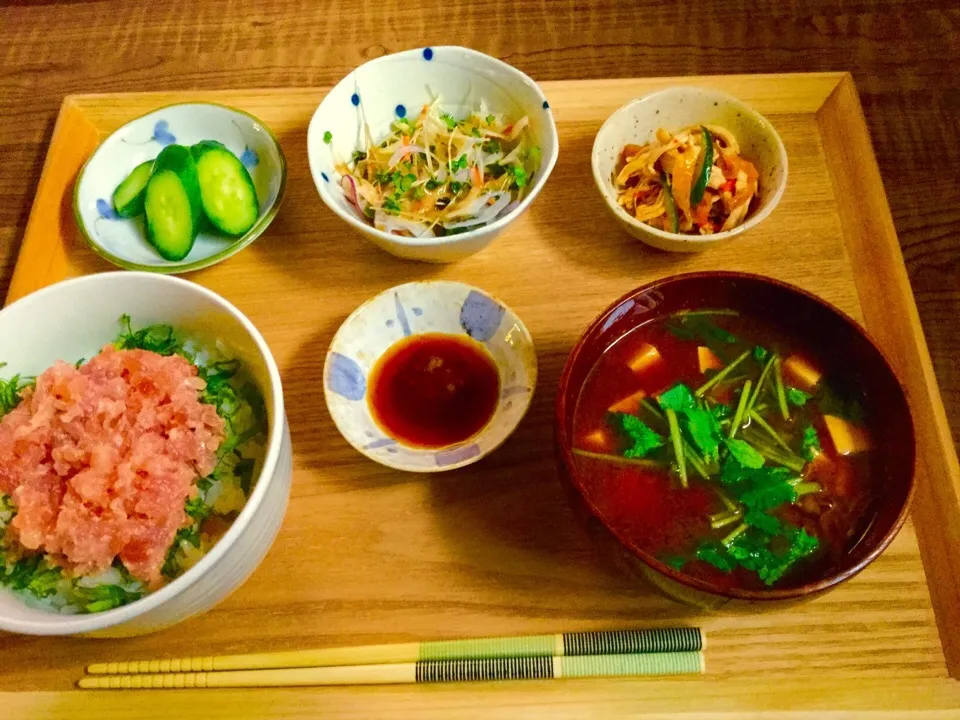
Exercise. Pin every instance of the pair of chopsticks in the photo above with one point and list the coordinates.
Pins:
(655, 651)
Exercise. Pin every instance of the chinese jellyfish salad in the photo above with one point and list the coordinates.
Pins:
(713, 441)
(436, 175)
(693, 182)
(119, 473)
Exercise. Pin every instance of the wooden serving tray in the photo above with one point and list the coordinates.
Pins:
(369, 555)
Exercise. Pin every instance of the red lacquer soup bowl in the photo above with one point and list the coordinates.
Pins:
(843, 351)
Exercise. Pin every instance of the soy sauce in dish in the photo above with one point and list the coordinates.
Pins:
(434, 390)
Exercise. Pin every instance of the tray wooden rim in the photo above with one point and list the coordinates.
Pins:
(869, 235)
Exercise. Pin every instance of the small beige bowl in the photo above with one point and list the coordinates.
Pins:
(674, 108)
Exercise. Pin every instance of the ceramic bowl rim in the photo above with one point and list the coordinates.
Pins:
(605, 185)
(238, 244)
(564, 448)
(527, 398)
(74, 624)
(543, 174)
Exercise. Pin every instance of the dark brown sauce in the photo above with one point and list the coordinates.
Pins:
(434, 390)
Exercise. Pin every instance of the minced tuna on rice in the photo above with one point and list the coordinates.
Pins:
(118, 474)
(100, 460)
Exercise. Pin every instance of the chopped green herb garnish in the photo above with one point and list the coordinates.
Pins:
(688, 326)
(197, 508)
(405, 182)
(716, 556)
(519, 175)
(19, 576)
(811, 442)
(11, 391)
(490, 118)
(797, 397)
(644, 439)
(768, 496)
(678, 398)
(449, 120)
(704, 430)
(767, 523)
(391, 205)
(44, 582)
(327, 137)
(743, 453)
(492, 146)
(106, 597)
(721, 411)
(156, 338)
(752, 550)
(760, 354)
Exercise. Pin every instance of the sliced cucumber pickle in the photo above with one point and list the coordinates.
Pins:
(226, 189)
(128, 197)
(172, 203)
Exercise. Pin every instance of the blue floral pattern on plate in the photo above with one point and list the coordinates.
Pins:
(480, 316)
(408, 310)
(249, 158)
(345, 378)
(105, 210)
(162, 134)
(402, 315)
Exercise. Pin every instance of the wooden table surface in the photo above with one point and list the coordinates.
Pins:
(898, 51)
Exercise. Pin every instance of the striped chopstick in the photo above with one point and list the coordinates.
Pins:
(616, 642)
(427, 671)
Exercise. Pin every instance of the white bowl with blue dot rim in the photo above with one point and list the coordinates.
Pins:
(123, 241)
(413, 309)
(383, 89)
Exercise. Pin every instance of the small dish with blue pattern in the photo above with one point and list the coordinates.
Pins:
(421, 308)
(122, 241)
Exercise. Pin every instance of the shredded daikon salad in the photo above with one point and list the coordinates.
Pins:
(693, 181)
(436, 175)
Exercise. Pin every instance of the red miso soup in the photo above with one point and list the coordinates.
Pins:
(724, 448)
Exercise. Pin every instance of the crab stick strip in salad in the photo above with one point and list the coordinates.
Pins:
(694, 181)
(435, 175)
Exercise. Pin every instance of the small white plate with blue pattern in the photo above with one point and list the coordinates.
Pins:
(413, 309)
(123, 241)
